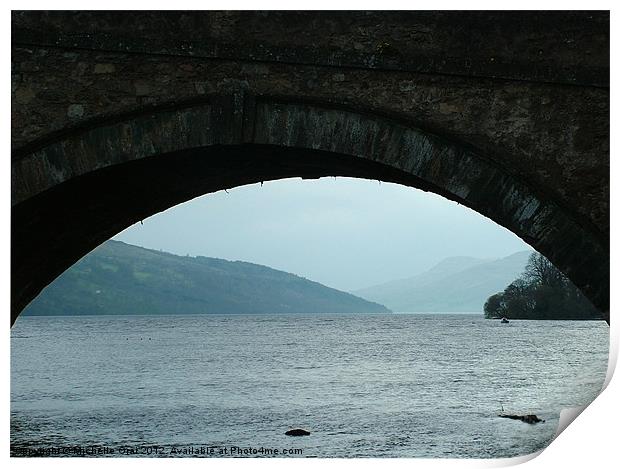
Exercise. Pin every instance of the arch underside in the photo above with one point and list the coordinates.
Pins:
(76, 190)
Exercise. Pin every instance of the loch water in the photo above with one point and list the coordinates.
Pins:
(394, 385)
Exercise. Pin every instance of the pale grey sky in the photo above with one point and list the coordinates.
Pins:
(345, 233)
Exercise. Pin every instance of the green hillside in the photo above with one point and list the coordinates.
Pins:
(118, 278)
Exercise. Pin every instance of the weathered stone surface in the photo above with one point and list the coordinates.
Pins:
(75, 111)
(104, 68)
(487, 108)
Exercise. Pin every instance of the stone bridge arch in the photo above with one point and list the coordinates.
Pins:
(117, 115)
(74, 189)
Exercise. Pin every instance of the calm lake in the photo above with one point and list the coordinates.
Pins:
(399, 385)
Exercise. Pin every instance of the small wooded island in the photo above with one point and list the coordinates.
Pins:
(541, 292)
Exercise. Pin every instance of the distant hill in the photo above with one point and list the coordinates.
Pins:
(118, 278)
(456, 284)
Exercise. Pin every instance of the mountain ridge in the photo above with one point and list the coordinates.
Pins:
(119, 278)
(456, 284)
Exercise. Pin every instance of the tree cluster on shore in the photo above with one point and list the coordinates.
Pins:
(541, 292)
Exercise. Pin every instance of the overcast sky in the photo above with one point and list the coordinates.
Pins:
(342, 232)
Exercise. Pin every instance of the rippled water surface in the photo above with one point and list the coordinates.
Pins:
(364, 385)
